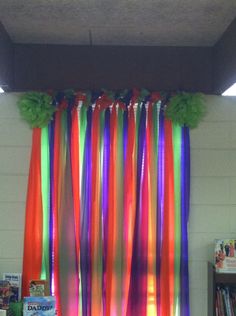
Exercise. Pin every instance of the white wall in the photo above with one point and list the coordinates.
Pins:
(213, 192)
(213, 188)
(15, 142)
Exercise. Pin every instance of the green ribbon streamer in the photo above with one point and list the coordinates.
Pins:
(177, 194)
(82, 132)
(45, 179)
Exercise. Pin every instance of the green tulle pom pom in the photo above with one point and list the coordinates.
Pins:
(186, 109)
(36, 108)
(16, 309)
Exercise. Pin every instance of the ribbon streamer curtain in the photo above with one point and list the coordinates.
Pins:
(107, 209)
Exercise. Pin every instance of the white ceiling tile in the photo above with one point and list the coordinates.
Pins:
(150, 36)
(159, 22)
(55, 33)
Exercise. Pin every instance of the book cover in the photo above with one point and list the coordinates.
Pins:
(225, 255)
(227, 299)
(218, 310)
(231, 306)
(224, 302)
(221, 305)
(5, 294)
(39, 306)
(233, 300)
(15, 280)
(39, 288)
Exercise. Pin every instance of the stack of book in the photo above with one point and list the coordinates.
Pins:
(225, 301)
(10, 289)
(225, 255)
(39, 302)
(40, 306)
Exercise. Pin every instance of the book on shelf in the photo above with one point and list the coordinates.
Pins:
(40, 306)
(5, 294)
(225, 301)
(225, 255)
(39, 288)
(15, 280)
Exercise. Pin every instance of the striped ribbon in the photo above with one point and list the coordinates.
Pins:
(107, 210)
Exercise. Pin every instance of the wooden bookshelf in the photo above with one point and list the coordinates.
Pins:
(215, 279)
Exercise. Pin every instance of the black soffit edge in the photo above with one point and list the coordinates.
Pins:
(32, 67)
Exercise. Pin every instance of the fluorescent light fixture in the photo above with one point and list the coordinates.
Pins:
(1, 90)
(231, 91)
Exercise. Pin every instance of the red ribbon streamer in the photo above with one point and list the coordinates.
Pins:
(167, 253)
(32, 258)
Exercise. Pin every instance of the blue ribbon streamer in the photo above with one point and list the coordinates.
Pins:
(85, 229)
(185, 184)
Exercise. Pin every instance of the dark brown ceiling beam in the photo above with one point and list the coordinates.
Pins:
(224, 67)
(95, 67)
(6, 59)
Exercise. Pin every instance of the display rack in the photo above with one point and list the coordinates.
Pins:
(215, 279)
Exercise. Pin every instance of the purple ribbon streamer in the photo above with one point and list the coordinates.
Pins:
(125, 134)
(160, 202)
(185, 190)
(85, 229)
(139, 261)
